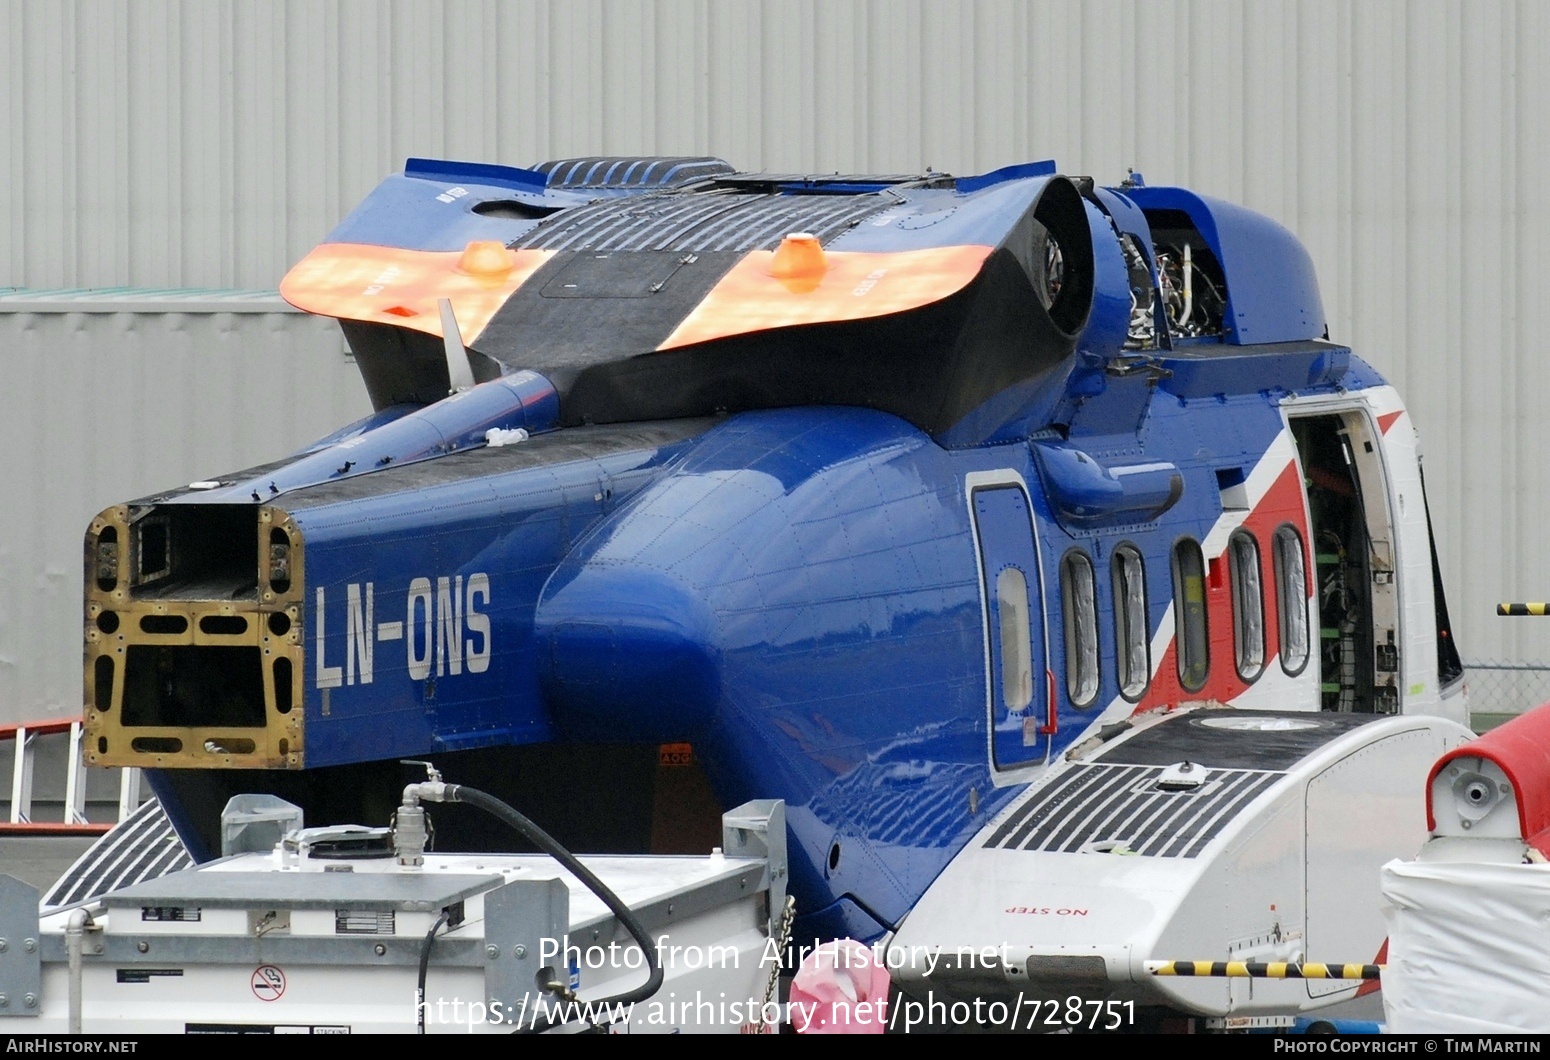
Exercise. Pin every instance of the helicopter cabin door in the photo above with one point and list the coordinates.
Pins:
(1355, 567)
(1011, 594)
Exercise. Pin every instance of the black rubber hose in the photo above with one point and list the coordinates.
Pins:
(425, 965)
(547, 843)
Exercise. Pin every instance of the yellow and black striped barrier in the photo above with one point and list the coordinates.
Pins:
(1265, 969)
(1538, 610)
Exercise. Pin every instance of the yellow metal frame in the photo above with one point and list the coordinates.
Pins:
(109, 742)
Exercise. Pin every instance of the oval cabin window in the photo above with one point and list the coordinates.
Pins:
(1080, 608)
(1189, 614)
(1248, 605)
(1016, 647)
(1292, 599)
(1132, 647)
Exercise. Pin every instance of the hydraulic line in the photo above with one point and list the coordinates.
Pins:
(435, 790)
(549, 845)
(425, 964)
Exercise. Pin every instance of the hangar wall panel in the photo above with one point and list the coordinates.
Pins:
(181, 143)
(109, 398)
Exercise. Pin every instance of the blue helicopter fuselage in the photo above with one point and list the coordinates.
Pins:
(890, 609)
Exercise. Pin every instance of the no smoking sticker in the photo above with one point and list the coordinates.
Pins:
(268, 983)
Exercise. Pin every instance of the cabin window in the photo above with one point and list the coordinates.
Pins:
(1248, 605)
(1016, 642)
(1292, 599)
(1132, 651)
(1079, 605)
(1189, 614)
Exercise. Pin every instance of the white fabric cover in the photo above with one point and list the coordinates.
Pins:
(1469, 947)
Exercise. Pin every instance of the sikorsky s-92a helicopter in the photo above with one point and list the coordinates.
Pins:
(1028, 538)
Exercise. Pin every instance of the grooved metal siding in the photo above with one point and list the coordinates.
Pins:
(185, 143)
(1101, 808)
(721, 222)
(146, 848)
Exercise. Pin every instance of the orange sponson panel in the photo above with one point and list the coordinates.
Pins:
(853, 286)
(388, 285)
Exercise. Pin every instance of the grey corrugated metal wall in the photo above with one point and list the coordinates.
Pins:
(166, 143)
(111, 397)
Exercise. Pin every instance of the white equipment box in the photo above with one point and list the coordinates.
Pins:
(326, 934)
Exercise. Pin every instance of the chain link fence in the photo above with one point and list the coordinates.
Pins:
(1506, 688)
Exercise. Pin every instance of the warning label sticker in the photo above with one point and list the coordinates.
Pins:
(268, 983)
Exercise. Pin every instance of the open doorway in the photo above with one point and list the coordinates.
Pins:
(1352, 539)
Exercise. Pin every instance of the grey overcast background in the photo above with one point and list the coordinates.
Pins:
(178, 153)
